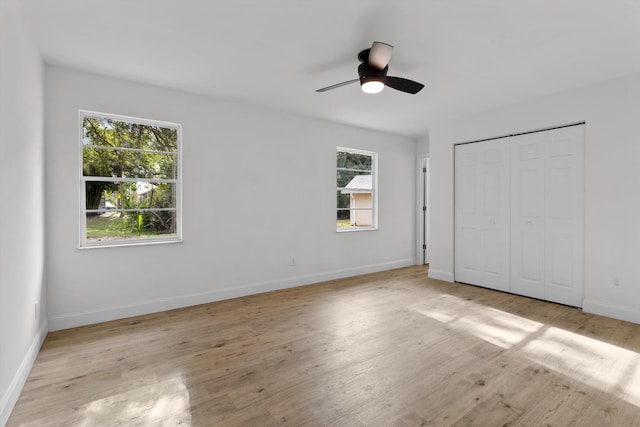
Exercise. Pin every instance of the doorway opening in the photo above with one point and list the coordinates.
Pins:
(422, 217)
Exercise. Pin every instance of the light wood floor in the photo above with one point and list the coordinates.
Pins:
(386, 349)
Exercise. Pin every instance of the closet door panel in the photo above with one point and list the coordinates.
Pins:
(467, 233)
(469, 250)
(564, 216)
(527, 215)
(482, 214)
(531, 259)
(560, 256)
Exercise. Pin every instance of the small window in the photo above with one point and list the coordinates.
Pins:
(130, 181)
(356, 190)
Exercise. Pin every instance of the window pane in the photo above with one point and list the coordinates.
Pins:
(116, 133)
(354, 180)
(343, 219)
(343, 200)
(128, 164)
(113, 226)
(354, 161)
(354, 209)
(354, 218)
(129, 195)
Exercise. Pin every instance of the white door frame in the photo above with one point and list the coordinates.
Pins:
(422, 216)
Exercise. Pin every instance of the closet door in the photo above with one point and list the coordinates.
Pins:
(547, 215)
(528, 215)
(482, 214)
(564, 216)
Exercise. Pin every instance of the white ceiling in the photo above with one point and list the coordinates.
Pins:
(472, 55)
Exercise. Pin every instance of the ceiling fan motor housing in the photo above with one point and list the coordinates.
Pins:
(368, 73)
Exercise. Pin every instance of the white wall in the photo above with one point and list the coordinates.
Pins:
(422, 146)
(612, 207)
(21, 206)
(233, 244)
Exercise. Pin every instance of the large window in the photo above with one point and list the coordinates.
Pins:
(356, 190)
(130, 181)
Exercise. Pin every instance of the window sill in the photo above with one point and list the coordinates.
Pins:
(120, 244)
(349, 230)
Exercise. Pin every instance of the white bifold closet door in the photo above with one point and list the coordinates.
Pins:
(544, 199)
(547, 215)
(482, 214)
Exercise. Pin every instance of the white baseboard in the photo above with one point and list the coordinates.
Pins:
(72, 320)
(616, 312)
(440, 275)
(15, 388)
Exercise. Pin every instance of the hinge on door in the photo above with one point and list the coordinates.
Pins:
(424, 170)
(424, 209)
(424, 247)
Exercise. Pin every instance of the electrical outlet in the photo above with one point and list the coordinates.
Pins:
(617, 283)
(37, 311)
(292, 261)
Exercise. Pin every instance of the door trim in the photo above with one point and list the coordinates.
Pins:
(422, 194)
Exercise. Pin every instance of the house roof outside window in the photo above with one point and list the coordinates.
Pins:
(359, 184)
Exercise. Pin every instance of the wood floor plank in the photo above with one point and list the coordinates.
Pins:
(386, 349)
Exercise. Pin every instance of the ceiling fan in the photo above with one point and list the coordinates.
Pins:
(373, 72)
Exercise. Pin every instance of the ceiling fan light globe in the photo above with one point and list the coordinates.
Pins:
(372, 86)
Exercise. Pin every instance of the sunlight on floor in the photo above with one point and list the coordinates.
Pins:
(595, 363)
(497, 327)
(164, 403)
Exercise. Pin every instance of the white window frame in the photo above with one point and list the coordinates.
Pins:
(374, 189)
(177, 181)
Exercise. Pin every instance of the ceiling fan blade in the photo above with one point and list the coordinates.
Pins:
(403, 85)
(380, 54)
(337, 85)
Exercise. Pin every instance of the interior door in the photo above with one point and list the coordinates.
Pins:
(482, 214)
(425, 208)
